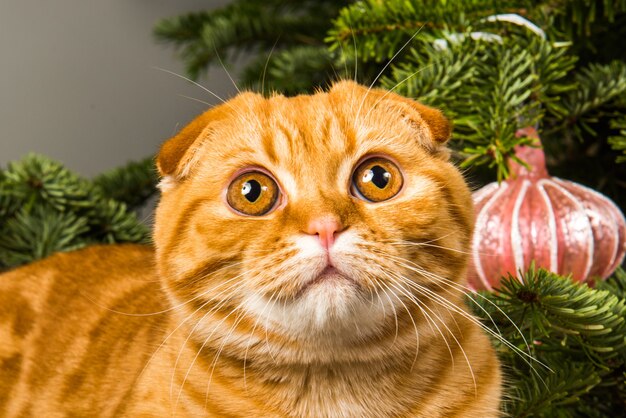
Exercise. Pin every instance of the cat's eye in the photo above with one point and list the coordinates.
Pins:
(376, 179)
(253, 193)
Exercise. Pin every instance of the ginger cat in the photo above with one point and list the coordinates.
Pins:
(310, 255)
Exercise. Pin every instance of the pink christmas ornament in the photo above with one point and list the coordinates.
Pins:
(563, 226)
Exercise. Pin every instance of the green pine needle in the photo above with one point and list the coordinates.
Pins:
(45, 208)
(580, 332)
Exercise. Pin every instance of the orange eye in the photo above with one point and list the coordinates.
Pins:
(376, 179)
(253, 193)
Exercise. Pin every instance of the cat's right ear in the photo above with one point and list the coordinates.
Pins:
(175, 157)
(171, 155)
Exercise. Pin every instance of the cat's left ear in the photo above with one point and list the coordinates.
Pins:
(438, 125)
(431, 127)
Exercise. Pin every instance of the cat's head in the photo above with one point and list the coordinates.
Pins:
(319, 214)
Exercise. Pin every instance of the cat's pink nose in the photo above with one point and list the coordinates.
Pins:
(326, 229)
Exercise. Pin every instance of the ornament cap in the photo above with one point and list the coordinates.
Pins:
(532, 155)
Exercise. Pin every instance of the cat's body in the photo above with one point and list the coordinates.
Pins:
(307, 299)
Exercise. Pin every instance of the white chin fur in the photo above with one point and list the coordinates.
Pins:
(335, 309)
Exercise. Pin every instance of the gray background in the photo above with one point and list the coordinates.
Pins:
(78, 80)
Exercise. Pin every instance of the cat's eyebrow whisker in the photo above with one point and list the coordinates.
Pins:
(217, 54)
(388, 92)
(358, 113)
(194, 99)
(267, 62)
(356, 53)
(228, 103)
(345, 62)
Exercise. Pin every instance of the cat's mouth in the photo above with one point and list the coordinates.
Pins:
(329, 275)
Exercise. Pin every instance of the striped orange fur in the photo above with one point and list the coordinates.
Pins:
(327, 305)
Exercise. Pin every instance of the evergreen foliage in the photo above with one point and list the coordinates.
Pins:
(131, 184)
(492, 66)
(45, 208)
(572, 340)
(291, 29)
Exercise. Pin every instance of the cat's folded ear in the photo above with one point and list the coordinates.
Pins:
(432, 128)
(172, 159)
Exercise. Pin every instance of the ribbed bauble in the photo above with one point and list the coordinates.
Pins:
(560, 225)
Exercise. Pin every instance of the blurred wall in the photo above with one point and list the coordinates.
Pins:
(78, 80)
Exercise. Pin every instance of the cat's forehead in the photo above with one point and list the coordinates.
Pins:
(309, 130)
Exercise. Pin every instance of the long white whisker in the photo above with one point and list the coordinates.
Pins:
(203, 88)
(195, 99)
(395, 315)
(401, 289)
(217, 54)
(193, 330)
(266, 64)
(245, 356)
(388, 92)
(237, 321)
(382, 71)
(527, 357)
(408, 311)
(445, 339)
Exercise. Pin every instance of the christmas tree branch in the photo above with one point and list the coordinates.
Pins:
(579, 331)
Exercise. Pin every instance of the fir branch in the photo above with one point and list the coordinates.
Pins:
(36, 179)
(579, 331)
(206, 38)
(37, 233)
(46, 208)
(291, 71)
(546, 394)
(132, 184)
(515, 80)
(380, 28)
(578, 18)
(616, 284)
(598, 88)
(111, 223)
(618, 141)
(435, 76)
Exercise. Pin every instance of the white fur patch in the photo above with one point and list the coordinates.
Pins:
(167, 183)
(334, 309)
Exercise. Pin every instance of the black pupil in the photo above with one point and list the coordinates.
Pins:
(251, 190)
(380, 176)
